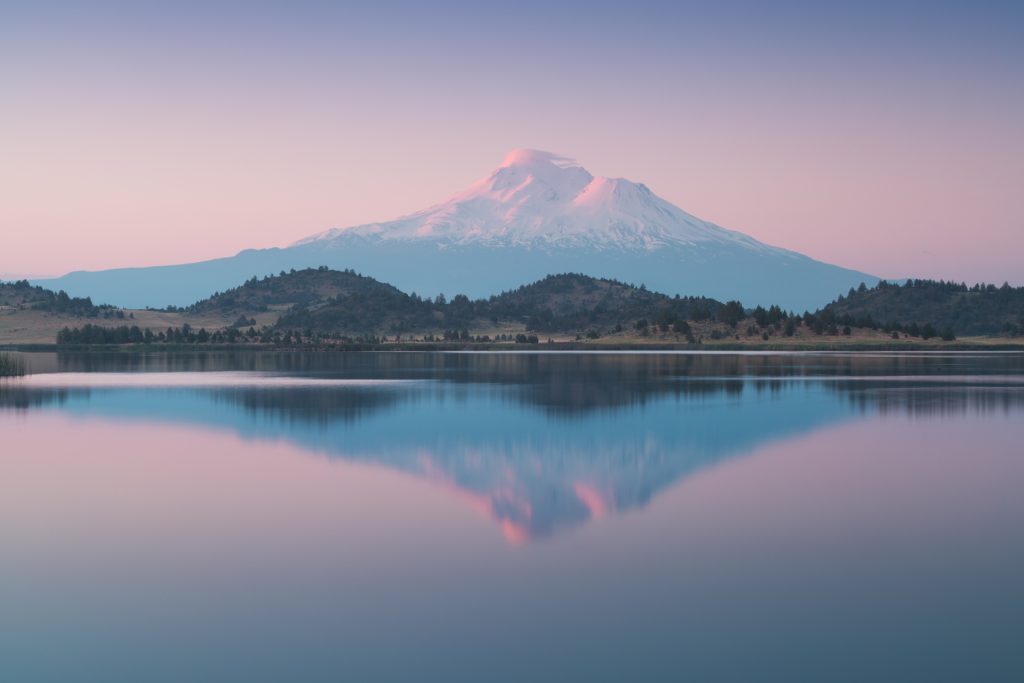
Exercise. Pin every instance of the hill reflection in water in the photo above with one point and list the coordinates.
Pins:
(539, 442)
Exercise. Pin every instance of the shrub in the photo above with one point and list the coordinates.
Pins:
(11, 366)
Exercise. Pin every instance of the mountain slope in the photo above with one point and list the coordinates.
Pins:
(535, 215)
(539, 200)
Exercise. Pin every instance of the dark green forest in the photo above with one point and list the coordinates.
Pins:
(941, 307)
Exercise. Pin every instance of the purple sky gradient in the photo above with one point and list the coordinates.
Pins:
(886, 137)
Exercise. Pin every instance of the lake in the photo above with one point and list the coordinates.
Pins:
(512, 517)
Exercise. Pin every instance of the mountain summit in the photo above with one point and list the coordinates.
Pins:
(541, 200)
(536, 214)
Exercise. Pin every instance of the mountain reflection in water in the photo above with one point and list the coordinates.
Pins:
(539, 442)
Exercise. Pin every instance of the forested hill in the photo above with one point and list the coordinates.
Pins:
(343, 301)
(966, 310)
(573, 302)
(322, 304)
(21, 295)
(297, 288)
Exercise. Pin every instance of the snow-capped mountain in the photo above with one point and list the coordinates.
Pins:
(536, 214)
(540, 200)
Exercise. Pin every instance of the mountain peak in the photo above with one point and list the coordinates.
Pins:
(544, 200)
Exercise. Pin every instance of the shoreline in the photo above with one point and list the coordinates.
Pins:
(996, 345)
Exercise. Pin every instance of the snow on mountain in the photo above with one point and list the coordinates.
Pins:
(539, 199)
(537, 214)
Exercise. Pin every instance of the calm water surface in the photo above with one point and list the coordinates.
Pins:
(513, 517)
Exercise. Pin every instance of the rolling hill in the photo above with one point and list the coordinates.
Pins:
(22, 295)
(966, 310)
(345, 302)
(319, 305)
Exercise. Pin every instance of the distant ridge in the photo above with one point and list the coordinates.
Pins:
(536, 214)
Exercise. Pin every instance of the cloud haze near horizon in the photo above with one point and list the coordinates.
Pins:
(884, 137)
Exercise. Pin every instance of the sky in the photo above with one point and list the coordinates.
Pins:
(882, 136)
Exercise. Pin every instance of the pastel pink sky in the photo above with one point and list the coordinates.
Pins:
(163, 136)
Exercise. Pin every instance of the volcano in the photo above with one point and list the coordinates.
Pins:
(536, 214)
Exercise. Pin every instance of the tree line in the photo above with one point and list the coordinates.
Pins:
(90, 334)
